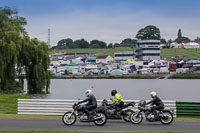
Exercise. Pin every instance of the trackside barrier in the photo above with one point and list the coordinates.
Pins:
(59, 107)
(188, 109)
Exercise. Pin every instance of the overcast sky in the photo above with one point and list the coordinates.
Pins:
(107, 20)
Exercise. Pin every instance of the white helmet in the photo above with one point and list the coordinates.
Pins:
(153, 94)
(88, 93)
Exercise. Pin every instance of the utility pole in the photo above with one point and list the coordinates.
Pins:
(49, 42)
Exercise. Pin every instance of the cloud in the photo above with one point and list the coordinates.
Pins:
(107, 27)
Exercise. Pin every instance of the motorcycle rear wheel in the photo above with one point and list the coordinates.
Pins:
(127, 115)
(100, 119)
(166, 118)
(136, 118)
(67, 120)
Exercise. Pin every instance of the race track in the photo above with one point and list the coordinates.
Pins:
(111, 125)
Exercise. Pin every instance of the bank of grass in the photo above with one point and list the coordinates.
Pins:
(182, 53)
(94, 52)
(16, 116)
(8, 102)
(186, 76)
(21, 131)
(138, 76)
(191, 53)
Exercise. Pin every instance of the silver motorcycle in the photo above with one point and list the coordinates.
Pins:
(97, 116)
(164, 116)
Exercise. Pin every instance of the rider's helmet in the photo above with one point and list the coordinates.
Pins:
(113, 92)
(153, 94)
(88, 93)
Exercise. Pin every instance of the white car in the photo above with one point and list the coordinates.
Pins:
(156, 70)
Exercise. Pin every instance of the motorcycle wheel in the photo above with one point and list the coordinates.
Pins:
(166, 118)
(100, 119)
(136, 118)
(127, 115)
(67, 120)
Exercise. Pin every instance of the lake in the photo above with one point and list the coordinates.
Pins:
(130, 89)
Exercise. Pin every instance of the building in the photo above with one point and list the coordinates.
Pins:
(104, 59)
(191, 45)
(147, 50)
(123, 56)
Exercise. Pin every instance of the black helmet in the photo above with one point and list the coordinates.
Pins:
(113, 92)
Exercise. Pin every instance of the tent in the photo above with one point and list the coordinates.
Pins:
(193, 62)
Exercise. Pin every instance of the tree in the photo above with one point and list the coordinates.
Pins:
(65, 43)
(181, 38)
(179, 33)
(11, 34)
(149, 32)
(81, 43)
(128, 42)
(163, 41)
(36, 64)
(16, 49)
(97, 44)
(169, 41)
(110, 45)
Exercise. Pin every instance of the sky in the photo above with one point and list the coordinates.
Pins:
(106, 20)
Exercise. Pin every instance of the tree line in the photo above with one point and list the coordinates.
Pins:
(19, 52)
(82, 43)
(146, 33)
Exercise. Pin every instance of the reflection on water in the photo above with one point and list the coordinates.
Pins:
(131, 89)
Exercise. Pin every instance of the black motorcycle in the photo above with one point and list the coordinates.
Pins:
(164, 116)
(97, 116)
(123, 113)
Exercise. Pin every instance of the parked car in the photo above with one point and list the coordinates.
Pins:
(156, 70)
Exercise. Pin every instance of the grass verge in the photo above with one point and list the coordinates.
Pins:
(186, 76)
(20, 131)
(94, 52)
(8, 102)
(138, 76)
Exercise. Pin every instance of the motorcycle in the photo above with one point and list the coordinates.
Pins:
(97, 116)
(164, 116)
(123, 113)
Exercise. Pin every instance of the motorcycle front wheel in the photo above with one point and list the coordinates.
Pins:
(100, 119)
(166, 118)
(69, 118)
(136, 118)
(127, 115)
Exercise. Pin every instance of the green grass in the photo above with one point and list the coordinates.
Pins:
(186, 76)
(20, 131)
(16, 116)
(138, 76)
(192, 53)
(94, 52)
(8, 103)
(181, 53)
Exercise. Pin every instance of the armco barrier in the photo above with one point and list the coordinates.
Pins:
(59, 107)
(188, 109)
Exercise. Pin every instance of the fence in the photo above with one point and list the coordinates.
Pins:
(188, 109)
(59, 107)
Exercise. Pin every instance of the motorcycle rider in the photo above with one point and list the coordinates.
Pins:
(155, 101)
(118, 100)
(92, 102)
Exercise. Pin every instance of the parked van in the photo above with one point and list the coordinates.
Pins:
(164, 70)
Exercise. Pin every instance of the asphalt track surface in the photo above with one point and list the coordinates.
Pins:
(111, 125)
